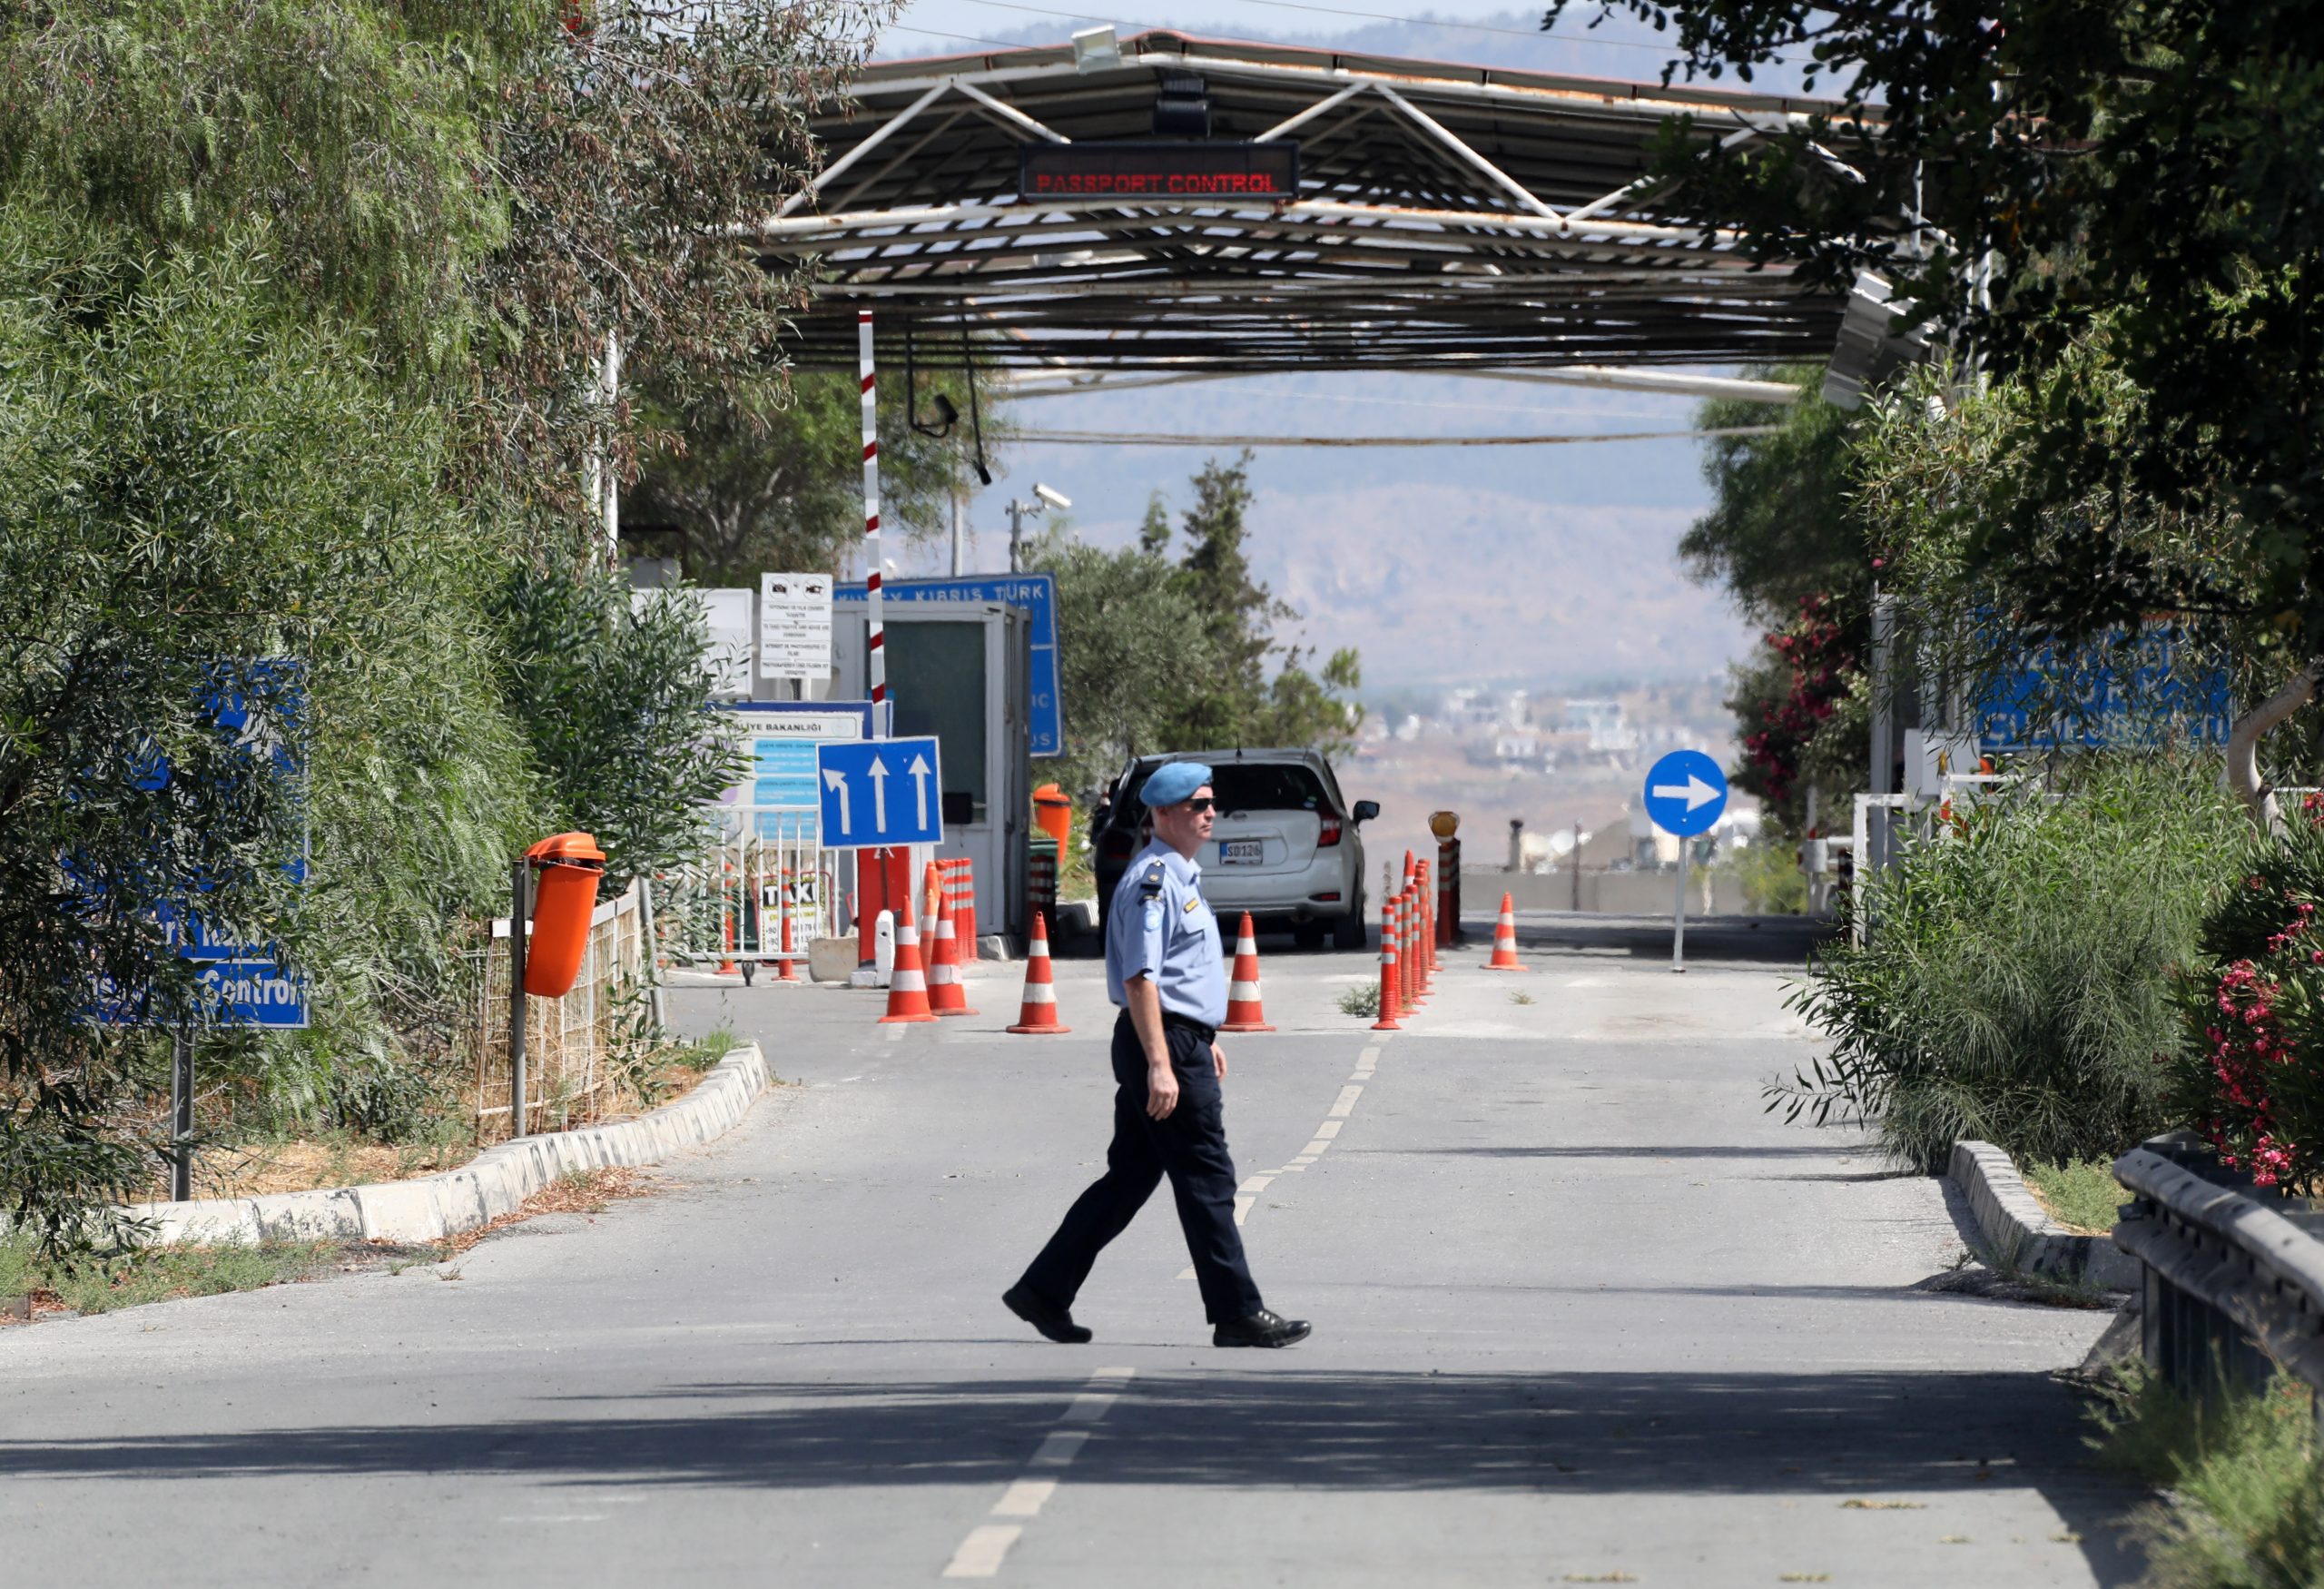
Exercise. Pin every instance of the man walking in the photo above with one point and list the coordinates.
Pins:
(1164, 968)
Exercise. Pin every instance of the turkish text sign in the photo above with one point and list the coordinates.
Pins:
(794, 626)
(1037, 595)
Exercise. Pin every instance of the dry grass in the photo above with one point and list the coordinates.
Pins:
(586, 1193)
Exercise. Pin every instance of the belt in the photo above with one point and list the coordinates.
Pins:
(1188, 1023)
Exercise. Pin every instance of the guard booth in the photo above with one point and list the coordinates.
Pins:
(960, 671)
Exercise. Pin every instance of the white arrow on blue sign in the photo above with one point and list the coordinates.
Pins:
(879, 792)
(1685, 793)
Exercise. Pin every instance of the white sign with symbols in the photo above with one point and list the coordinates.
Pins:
(795, 626)
(728, 614)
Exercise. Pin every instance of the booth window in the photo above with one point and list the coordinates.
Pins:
(936, 672)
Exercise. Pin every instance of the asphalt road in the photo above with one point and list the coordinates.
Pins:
(1582, 1310)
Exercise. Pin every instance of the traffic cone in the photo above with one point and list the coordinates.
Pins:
(1391, 1004)
(1504, 939)
(1037, 1013)
(789, 971)
(1408, 948)
(946, 995)
(907, 982)
(1242, 1012)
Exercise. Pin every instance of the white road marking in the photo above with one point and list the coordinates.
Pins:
(1115, 1374)
(1091, 1406)
(1341, 1109)
(1314, 1149)
(894, 1034)
(1024, 1498)
(1256, 1185)
(1329, 1129)
(1188, 1273)
(981, 1553)
(1060, 1447)
(1243, 1210)
(1370, 1056)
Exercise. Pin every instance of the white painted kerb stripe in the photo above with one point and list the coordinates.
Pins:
(1345, 1105)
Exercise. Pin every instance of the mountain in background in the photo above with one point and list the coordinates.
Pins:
(1543, 566)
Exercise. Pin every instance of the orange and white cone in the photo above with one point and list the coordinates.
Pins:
(907, 982)
(789, 971)
(1242, 1011)
(1504, 939)
(946, 995)
(1389, 992)
(1038, 1012)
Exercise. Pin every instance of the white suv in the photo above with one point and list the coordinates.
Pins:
(1285, 846)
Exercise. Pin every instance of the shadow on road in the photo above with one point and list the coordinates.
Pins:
(1816, 1437)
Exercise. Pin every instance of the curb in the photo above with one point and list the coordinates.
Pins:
(431, 1207)
(2021, 1233)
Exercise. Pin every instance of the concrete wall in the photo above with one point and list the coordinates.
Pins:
(1619, 893)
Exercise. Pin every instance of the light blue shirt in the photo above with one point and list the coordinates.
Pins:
(1159, 925)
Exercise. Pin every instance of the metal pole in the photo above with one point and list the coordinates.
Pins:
(1016, 533)
(516, 880)
(1679, 916)
(876, 638)
(655, 1009)
(609, 477)
(959, 534)
(182, 1114)
(1577, 868)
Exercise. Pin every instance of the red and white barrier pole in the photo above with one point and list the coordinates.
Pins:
(876, 636)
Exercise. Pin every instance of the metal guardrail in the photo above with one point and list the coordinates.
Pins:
(2233, 1287)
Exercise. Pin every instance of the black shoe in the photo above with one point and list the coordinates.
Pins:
(1261, 1329)
(1053, 1322)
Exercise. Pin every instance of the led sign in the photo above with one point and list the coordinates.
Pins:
(1150, 170)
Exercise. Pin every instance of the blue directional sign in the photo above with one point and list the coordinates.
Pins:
(1037, 593)
(1685, 793)
(879, 792)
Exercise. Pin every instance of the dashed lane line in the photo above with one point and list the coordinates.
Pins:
(979, 1555)
(1247, 1196)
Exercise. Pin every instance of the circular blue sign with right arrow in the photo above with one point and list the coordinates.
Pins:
(1685, 793)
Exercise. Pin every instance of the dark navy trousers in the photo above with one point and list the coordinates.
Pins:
(1190, 1148)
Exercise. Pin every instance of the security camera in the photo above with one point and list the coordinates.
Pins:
(1053, 498)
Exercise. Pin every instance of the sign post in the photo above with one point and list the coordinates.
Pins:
(1686, 793)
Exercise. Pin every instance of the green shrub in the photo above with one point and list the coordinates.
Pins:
(1361, 1001)
(2243, 1481)
(2014, 983)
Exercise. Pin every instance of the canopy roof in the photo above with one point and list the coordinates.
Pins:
(1447, 218)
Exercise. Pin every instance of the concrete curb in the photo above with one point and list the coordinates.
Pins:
(432, 1207)
(2019, 1232)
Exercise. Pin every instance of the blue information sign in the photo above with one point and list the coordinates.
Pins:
(1037, 593)
(242, 985)
(1685, 793)
(2114, 693)
(880, 792)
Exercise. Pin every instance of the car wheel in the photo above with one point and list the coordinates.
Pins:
(1348, 932)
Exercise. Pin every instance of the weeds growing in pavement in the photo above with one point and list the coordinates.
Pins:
(1361, 1001)
(126, 1278)
(2241, 1480)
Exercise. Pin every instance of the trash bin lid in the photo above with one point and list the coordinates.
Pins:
(568, 849)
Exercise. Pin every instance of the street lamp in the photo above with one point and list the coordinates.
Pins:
(1018, 511)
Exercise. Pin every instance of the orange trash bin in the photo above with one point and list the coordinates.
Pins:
(565, 893)
(1053, 813)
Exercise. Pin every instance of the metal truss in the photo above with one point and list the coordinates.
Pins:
(1449, 218)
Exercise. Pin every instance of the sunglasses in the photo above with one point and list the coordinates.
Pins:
(1202, 803)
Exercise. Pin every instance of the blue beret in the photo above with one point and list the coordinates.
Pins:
(1173, 781)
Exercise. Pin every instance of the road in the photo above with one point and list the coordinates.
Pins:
(1581, 1310)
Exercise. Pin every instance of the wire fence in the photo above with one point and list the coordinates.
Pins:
(573, 1045)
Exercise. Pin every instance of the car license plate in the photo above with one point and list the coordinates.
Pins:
(1242, 852)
